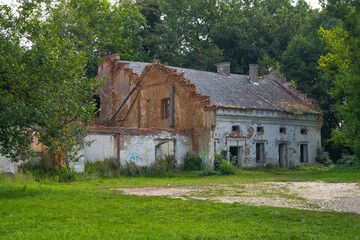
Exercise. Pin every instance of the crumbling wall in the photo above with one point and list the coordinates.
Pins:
(191, 109)
(142, 107)
(117, 80)
(271, 121)
(138, 145)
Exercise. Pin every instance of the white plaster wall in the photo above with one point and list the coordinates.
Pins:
(79, 165)
(103, 146)
(271, 122)
(138, 148)
(141, 149)
(6, 165)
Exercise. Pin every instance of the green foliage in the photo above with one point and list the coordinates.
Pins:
(99, 28)
(108, 169)
(348, 160)
(105, 168)
(88, 209)
(43, 88)
(65, 174)
(37, 169)
(323, 157)
(342, 66)
(192, 162)
(222, 165)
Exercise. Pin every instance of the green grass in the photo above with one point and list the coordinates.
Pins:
(88, 209)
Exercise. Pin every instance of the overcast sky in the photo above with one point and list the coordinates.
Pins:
(313, 3)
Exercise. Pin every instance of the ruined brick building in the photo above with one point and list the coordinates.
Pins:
(148, 111)
(151, 110)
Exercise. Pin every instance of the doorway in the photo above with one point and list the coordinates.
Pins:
(235, 152)
(283, 155)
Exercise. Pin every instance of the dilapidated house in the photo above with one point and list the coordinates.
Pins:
(150, 110)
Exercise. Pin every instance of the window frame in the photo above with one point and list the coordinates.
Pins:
(260, 152)
(165, 108)
(304, 153)
(260, 129)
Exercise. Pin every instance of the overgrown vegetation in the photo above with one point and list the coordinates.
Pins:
(107, 168)
(224, 166)
(192, 162)
(323, 157)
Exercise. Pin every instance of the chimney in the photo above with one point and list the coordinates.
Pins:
(253, 72)
(223, 67)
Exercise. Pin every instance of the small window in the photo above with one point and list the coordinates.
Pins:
(282, 130)
(96, 99)
(165, 103)
(260, 153)
(303, 153)
(235, 128)
(260, 129)
(303, 131)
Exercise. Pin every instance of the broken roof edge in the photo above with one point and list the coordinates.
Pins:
(189, 87)
(310, 103)
(272, 110)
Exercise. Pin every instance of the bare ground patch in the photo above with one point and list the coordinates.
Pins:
(339, 197)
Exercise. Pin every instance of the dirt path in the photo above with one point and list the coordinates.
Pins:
(339, 197)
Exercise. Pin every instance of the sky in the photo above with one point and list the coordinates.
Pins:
(313, 3)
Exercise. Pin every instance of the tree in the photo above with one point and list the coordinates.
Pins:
(342, 65)
(43, 88)
(300, 63)
(178, 32)
(99, 28)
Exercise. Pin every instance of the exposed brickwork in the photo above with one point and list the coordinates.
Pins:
(137, 131)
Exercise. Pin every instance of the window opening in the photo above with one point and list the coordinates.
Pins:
(260, 153)
(282, 130)
(282, 154)
(303, 131)
(260, 129)
(235, 128)
(303, 153)
(96, 99)
(165, 105)
(235, 152)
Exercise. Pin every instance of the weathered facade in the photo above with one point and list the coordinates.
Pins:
(260, 120)
(149, 111)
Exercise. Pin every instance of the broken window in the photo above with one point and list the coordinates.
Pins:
(260, 129)
(235, 128)
(260, 153)
(282, 130)
(165, 103)
(235, 152)
(96, 99)
(303, 153)
(303, 131)
(282, 154)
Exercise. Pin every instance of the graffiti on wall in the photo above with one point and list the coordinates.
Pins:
(134, 156)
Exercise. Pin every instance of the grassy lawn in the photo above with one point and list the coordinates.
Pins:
(88, 209)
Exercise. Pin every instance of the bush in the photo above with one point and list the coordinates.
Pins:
(37, 169)
(223, 166)
(192, 162)
(157, 168)
(65, 174)
(227, 168)
(323, 157)
(105, 168)
(348, 161)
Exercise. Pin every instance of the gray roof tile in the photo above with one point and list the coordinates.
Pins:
(237, 91)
